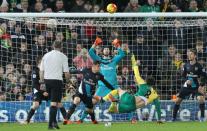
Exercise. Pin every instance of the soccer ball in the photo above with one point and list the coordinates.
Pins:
(111, 8)
(107, 124)
(52, 23)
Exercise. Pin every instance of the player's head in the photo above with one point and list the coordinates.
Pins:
(57, 45)
(150, 80)
(192, 54)
(96, 66)
(106, 51)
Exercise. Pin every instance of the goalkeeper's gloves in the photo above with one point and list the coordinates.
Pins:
(116, 43)
(98, 41)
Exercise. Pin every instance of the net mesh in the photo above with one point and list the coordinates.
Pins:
(159, 44)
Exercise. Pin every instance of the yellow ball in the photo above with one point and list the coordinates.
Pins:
(111, 8)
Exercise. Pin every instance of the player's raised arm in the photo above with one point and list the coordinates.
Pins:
(92, 53)
(121, 53)
(135, 68)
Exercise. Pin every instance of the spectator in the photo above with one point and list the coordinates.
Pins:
(177, 36)
(25, 6)
(59, 6)
(193, 6)
(133, 6)
(81, 61)
(78, 6)
(96, 8)
(150, 7)
(166, 6)
(4, 8)
(127, 78)
(88, 6)
(22, 54)
(178, 61)
(38, 7)
(71, 89)
(39, 48)
(6, 50)
(201, 53)
(2, 79)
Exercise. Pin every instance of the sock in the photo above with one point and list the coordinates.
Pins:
(63, 112)
(111, 95)
(52, 117)
(84, 115)
(175, 111)
(202, 108)
(70, 111)
(92, 116)
(30, 114)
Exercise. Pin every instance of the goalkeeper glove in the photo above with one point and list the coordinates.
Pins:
(116, 43)
(98, 41)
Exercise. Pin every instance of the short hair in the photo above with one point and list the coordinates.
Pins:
(150, 80)
(96, 63)
(193, 50)
(57, 44)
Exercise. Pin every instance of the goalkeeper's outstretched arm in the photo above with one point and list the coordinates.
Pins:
(135, 68)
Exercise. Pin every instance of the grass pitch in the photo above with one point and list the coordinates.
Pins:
(139, 126)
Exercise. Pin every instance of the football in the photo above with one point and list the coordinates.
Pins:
(111, 8)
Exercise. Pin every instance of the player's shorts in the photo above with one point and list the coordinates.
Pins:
(103, 91)
(39, 97)
(85, 99)
(186, 91)
(54, 88)
(127, 103)
(144, 90)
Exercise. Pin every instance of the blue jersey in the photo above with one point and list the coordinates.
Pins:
(108, 69)
(193, 72)
(89, 81)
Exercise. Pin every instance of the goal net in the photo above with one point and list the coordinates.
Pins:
(160, 43)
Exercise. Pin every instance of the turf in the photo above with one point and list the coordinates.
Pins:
(139, 126)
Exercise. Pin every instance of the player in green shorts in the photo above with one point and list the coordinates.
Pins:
(145, 95)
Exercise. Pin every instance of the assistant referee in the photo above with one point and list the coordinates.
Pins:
(53, 65)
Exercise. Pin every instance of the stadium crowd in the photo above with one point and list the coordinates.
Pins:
(100, 5)
(161, 52)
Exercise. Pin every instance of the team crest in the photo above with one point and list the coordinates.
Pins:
(196, 68)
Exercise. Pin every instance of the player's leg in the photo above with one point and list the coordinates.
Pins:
(37, 100)
(76, 101)
(201, 100)
(112, 96)
(184, 91)
(55, 97)
(63, 111)
(34, 107)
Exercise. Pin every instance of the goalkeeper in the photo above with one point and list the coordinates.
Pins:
(108, 65)
(127, 102)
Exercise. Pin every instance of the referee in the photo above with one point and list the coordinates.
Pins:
(53, 65)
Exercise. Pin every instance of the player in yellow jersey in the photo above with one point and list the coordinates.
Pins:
(145, 95)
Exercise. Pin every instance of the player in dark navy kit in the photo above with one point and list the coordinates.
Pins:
(86, 90)
(195, 84)
(40, 93)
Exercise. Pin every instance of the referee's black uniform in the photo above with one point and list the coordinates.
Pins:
(53, 65)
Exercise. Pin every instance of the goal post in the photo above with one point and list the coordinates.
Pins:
(159, 41)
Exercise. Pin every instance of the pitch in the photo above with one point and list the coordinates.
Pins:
(139, 126)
